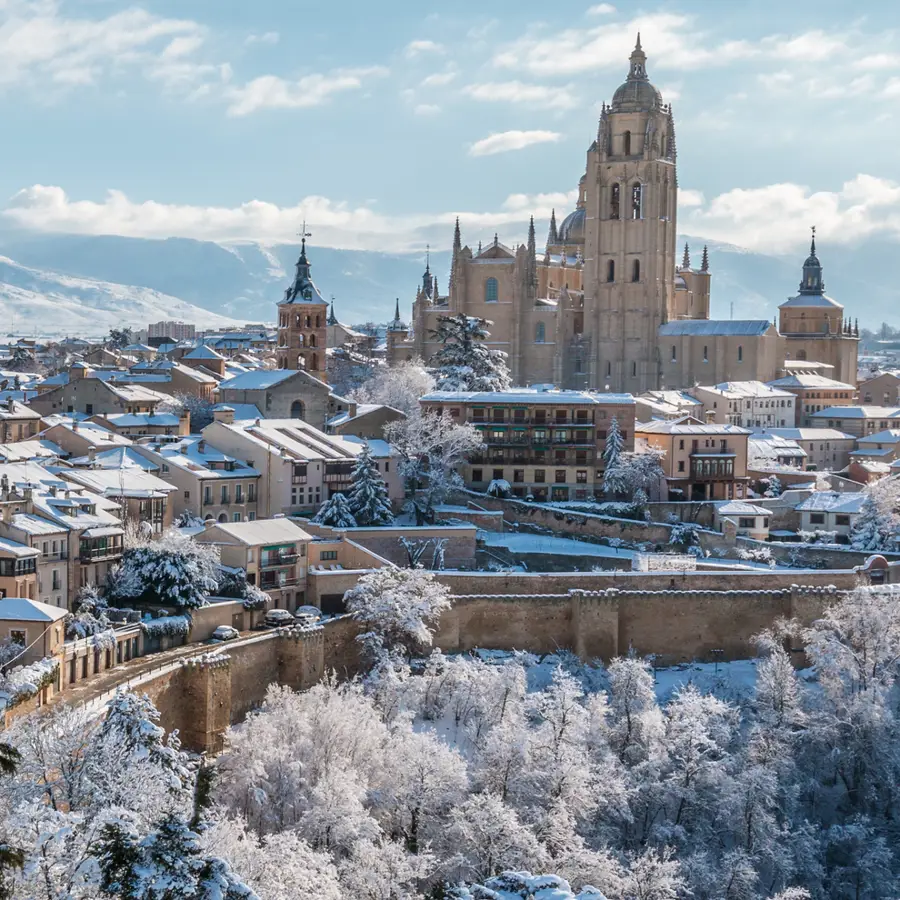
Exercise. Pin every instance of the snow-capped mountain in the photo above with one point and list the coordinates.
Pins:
(85, 284)
(54, 304)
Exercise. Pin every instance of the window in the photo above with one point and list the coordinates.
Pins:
(614, 202)
(328, 554)
(238, 493)
(560, 476)
(224, 494)
(740, 354)
(680, 465)
(674, 354)
(538, 476)
(626, 143)
(634, 370)
(581, 477)
(56, 583)
(207, 496)
(477, 475)
(518, 476)
(636, 271)
(842, 520)
(490, 290)
(298, 410)
(611, 270)
(251, 517)
(497, 474)
(18, 637)
(746, 522)
(236, 517)
(817, 518)
(637, 201)
(312, 340)
(89, 408)
(681, 444)
(608, 369)
(539, 333)
(705, 353)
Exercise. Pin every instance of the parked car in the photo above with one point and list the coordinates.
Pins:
(307, 615)
(225, 633)
(278, 618)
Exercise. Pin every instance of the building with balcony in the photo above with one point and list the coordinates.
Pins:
(46, 538)
(548, 444)
(813, 393)
(299, 467)
(273, 553)
(749, 404)
(18, 569)
(701, 461)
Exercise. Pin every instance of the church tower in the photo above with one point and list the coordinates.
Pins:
(629, 243)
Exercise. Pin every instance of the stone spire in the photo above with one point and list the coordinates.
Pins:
(532, 254)
(427, 284)
(637, 70)
(303, 288)
(812, 282)
(332, 318)
(686, 259)
(397, 311)
(456, 261)
(553, 236)
(457, 238)
(704, 263)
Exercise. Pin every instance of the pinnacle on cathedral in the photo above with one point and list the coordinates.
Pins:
(553, 235)
(332, 318)
(704, 263)
(636, 94)
(686, 259)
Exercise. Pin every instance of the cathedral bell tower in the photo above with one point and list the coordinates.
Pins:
(630, 223)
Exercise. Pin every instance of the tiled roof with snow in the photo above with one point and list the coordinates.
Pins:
(713, 327)
(687, 425)
(808, 434)
(810, 380)
(530, 395)
(857, 412)
(242, 411)
(258, 380)
(125, 420)
(833, 501)
(264, 531)
(746, 389)
(21, 609)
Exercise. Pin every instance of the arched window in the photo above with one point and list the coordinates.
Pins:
(223, 517)
(637, 201)
(308, 322)
(740, 354)
(490, 290)
(626, 143)
(314, 362)
(705, 354)
(209, 518)
(636, 270)
(298, 320)
(298, 410)
(300, 340)
(674, 354)
(539, 333)
(611, 270)
(312, 340)
(801, 354)
(614, 202)
(318, 321)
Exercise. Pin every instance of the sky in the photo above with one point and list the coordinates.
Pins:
(379, 124)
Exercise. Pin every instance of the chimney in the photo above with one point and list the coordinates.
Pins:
(74, 424)
(183, 449)
(92, 454)
(201, 446)
(7, 513)
(224, 414)
(10, 404)
(710, 417)
(52, 490)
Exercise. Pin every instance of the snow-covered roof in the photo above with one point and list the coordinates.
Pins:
(890, 436)
(16, 410)
(538, 395)
(257, 380)
(130, 482)
(126, 420)
(741, 508)
(296, 440)
(21, 609)
(809, 434)
(117, 458)
(263, 531)
(687, 425)
(195, 454)
(242, 411)
(38, 448)
(807, 301)
(811, 380)
(713, 327)
(362, 409)
(91, 431)
(746, 389)
(35, 525)
(857, 412)
(203, 352)
(14, 548)
(832, 501)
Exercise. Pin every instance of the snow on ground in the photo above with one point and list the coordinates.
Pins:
(541, 543)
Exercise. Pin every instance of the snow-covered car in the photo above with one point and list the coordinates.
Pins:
(307, 615)
(278, 618)
(225, 633)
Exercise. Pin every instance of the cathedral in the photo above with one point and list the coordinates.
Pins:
(608, 305)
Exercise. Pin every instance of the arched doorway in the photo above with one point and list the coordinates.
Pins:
(298, 410)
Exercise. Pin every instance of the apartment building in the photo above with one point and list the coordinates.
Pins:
(210, 484)
(548, 444)
(859, 421)
(748, 404)
(883, 388)
(179, 331)
(814, 393)
(273, 553)
(299, 466)
(18, 570)
(701, 461)
(18, 422)
(827, 449)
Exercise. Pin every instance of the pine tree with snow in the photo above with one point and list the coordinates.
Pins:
(872, 530)
(614, 445)
(775, 488)
(369, 502)
(464, 363)
(336, 513)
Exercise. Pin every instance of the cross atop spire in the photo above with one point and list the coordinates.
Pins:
(812, 245)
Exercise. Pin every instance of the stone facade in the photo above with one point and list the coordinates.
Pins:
(608, 304)
(302, 323)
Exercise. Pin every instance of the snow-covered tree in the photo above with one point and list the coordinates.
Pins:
(614, 445)
(399, 387)
(399, 607)
(369, 502)
(775, 488)
(335, 511)
(90, 616)
(873, 529)
(199, 409)
(172, 571)
(636, 471)
(464, 362)
(499, 487)
(431, 450)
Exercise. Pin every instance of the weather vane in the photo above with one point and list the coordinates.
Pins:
(304, 233)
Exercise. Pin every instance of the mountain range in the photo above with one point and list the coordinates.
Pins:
(57, 284)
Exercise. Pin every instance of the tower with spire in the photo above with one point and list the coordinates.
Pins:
(302, 321)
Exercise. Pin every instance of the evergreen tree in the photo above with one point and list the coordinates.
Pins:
(336, 513)
(369, 503)
(614, 445)
(464, 363)
(872, 531)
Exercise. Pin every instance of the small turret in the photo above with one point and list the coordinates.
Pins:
(704, 262)
(686, 259)
(553, 235)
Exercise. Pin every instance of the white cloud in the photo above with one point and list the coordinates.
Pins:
(438, 79)
(537, 95)
(415, 48)
(40, 44)
(273, 92)
(878, 61)
(770, 219)
(268, 37)
(601, 9)
(504, 141)
(777, 217)
(426, 109)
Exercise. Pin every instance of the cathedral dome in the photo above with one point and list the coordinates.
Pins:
(572, 229)
(637, 94)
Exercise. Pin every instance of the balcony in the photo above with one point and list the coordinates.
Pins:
(275, 560)
(270, 584)
(54, 557)
(95, 554)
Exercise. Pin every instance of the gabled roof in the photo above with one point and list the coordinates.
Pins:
(832, 501)
(21, 609)
(261, 379)
(810, 380)
(263, 531)
(857, 412)
(686, 425)
(203, 352)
